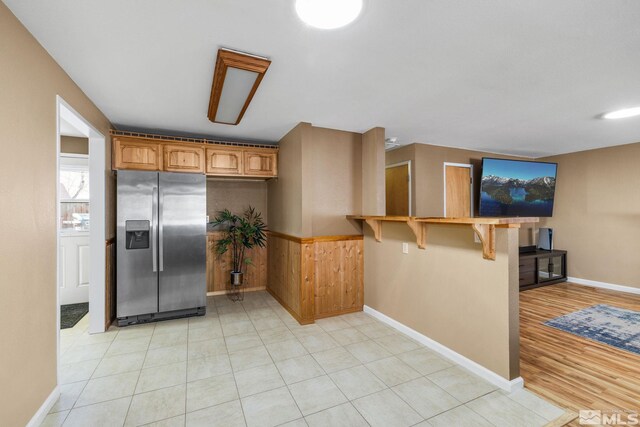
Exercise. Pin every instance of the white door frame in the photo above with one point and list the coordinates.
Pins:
(97, 231)
(408, 163)
(444, 183)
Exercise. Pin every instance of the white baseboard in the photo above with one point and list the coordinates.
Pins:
(604, 285)
(445, 351)
(42, 412)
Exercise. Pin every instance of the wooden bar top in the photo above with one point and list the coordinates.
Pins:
(441, 220)
(484, 227)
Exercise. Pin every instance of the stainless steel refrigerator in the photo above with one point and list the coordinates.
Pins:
(161, 246)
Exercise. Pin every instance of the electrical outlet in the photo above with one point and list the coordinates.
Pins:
(405, 248)
(476, 239)
(207, 219)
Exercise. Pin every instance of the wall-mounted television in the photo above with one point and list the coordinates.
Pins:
(517, 188)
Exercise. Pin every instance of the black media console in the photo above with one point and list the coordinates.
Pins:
(541, 268)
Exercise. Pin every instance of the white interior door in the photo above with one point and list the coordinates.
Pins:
(74, 268)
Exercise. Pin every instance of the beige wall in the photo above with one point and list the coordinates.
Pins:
(335, 179)
(448, 292)
(285, 195)
(236, 196)
(319, 183)
(596, 215)
(427, 174)
(74, 145)
(596, 212)
(29, 83)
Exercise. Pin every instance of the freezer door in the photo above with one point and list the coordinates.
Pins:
(182, 237)
(137, 285)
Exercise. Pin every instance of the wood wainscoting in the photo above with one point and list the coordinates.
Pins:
(219, 267)
(110, 283)
(316, 277)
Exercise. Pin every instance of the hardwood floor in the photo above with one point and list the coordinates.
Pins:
(574, 372)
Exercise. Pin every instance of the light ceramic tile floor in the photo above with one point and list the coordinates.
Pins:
(251, 364)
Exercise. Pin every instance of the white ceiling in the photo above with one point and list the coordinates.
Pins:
(515, 76)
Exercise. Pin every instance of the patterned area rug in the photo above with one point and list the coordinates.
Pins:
(70, 314)
(609, 325)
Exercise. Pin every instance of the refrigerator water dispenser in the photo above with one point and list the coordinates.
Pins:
(137, 234)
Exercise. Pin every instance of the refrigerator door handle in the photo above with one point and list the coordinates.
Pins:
(161, 230)
(154, 229)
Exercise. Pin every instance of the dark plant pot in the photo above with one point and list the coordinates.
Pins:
(236, 278)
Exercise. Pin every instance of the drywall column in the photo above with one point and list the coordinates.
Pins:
(373, 164)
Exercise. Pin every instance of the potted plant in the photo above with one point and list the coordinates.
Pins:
(239, 233)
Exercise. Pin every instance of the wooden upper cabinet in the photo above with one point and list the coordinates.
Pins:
(130, 153)
(224, 161)
(155, 154)
(183, 158)
(260, 163)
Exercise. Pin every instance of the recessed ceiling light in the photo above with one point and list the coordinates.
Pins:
(624, 113)
(328, 14)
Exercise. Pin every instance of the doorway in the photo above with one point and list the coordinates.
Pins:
(398, 189)
(80, 216)
(458, 190)
(74, 253)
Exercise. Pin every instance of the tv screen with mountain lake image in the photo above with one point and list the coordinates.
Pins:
(517, 188)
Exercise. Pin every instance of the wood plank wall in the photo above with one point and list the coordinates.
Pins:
(284, 274)
(339, 272)
(316, 277)
(219, 267)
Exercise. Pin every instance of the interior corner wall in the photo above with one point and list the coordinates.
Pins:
(285, 194)
(596, 214)
(29, 81)
(319, 183)
(472, 311)
(335, 181)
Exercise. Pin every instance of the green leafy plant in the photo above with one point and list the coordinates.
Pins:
(240, 233)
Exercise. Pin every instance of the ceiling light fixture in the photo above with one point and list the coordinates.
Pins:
(328, 14)
(622, 114)
(390, 143)
(235, 80)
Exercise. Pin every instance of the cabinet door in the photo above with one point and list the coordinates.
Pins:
(137, 155)
(550, 268)
(180, 158)
(224, 161)
(260, 163)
